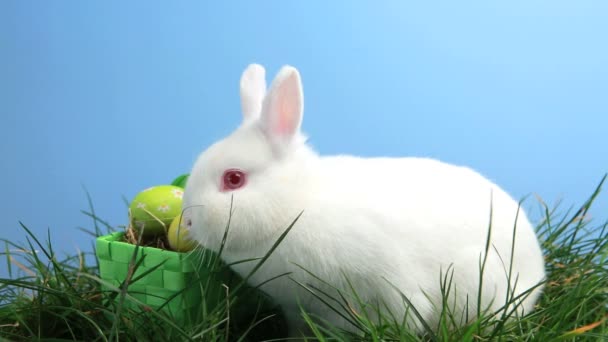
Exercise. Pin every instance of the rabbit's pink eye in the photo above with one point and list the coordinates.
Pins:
(233, 179)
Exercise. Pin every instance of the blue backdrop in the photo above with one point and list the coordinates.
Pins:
(118, 96)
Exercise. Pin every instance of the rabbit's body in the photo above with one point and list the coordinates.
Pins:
(381, 223)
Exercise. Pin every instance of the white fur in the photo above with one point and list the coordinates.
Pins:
(253, 89)
(378, 221)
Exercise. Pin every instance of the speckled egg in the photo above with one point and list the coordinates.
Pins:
(153, 209)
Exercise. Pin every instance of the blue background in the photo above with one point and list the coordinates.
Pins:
(118, 96)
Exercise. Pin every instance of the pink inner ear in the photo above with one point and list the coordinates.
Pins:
(282, 107)
(285, 124)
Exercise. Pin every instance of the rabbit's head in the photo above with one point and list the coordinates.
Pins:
(260, 169)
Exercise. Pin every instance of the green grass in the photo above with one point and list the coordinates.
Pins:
(48, 297)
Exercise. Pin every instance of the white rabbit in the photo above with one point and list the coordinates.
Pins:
(382, 223)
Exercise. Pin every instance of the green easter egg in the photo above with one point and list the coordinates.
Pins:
(153, 209)
(179, 236)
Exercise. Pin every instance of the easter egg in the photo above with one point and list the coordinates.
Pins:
(153, 209)
(179, 235)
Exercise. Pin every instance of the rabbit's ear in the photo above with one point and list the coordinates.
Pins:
(253, 89)
(283, 107)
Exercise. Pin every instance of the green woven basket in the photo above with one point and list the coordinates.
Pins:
(175, 281)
